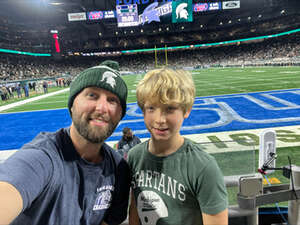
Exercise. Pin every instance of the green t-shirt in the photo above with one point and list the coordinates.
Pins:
(175, 189)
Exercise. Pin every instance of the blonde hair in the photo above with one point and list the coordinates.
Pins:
(167, 86)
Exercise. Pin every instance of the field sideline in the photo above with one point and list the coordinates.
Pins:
(208, 82)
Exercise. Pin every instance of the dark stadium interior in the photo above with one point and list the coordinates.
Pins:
(26, 26)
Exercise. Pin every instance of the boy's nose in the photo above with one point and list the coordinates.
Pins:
(161, 116)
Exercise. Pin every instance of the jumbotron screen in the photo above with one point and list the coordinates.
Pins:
(157, 12)
(130, 13)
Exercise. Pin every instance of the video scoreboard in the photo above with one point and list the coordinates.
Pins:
(127, 15)
(131, 13)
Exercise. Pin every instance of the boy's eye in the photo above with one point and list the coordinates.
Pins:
(171, 108)
(149, 108)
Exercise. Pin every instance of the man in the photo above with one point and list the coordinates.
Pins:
(71, 176)
(127, 141)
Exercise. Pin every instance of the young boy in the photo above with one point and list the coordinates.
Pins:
(174, 181)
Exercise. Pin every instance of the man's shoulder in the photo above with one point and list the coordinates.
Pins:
(41, 139)
(136, 137)
(47, 141)
(113, 153)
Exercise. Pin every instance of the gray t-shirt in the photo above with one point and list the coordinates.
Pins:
(58, 187)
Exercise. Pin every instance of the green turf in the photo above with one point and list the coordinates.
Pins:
(208, 82)
(31, 95)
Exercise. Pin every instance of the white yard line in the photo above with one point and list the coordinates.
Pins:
(5, 107)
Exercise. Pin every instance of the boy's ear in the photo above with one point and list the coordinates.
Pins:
(187, 113)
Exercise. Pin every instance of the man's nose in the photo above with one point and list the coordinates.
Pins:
(102, 104)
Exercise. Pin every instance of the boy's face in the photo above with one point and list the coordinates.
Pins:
(164, 120)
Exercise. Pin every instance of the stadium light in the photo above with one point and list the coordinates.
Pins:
(56, 3)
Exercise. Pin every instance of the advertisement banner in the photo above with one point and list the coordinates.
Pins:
(95, 15)
(231, 5)
(200, 7)
(214, 6)
(77, 16)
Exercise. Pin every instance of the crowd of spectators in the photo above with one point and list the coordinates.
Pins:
(284, 49)
(19, 67)
(15, 69)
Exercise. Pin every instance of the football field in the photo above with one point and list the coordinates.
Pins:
(232, 106)
(208, 82)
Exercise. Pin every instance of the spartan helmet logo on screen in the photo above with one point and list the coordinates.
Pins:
(181, 12)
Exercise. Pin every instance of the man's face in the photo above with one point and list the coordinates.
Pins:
(96, 113)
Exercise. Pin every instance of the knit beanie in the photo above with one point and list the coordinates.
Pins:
(105, 76)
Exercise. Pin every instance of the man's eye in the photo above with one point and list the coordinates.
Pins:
(112, 100)
(91, 95)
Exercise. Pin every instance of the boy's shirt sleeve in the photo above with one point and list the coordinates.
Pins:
(211, 190)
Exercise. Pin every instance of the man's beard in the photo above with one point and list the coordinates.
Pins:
(90, 134)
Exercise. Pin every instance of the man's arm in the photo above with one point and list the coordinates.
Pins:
(11, 203)
(133, 213)
(216, 219)
(138, 139)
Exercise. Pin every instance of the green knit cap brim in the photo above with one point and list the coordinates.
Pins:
(103, 77)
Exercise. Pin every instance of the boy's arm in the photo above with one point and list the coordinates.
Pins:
(219, 218)
(11, 203)
(133, 213)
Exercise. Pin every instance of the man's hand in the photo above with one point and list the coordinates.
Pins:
(11, 203)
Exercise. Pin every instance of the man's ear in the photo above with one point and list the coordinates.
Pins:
(187, 113)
